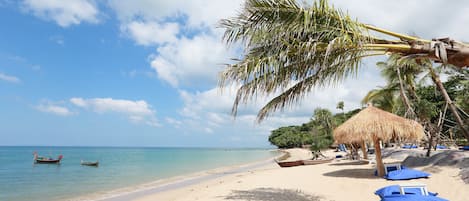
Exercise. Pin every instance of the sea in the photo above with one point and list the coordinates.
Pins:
(119, 167)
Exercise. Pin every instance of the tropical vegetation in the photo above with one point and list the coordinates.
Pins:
(317, 132)
(292, 49)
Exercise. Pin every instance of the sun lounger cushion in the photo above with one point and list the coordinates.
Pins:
(441, 147)
(395, 190)
(405, 174)
(392, 193)
(409, 146)
(412, 198)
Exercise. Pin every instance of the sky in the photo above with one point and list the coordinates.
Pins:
(144, 72)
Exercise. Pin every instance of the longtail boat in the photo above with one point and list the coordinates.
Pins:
(46, 160)
(289, 163)
(90, 163)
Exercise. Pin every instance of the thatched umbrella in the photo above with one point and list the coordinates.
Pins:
(373, 124)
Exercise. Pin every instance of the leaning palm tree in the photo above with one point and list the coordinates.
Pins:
(292, 49)
(403, 73)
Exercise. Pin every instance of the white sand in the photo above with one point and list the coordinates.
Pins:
(335, 181)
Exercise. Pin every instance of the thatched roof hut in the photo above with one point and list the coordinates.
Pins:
(371, 122)
(372, 125)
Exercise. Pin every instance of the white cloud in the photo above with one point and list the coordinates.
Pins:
(64, 13)
(137, 111)
(191, 62)
(174, 122)
(212, 109)
(151, 33)
(409, 17)
(54, 109)
(198, 12)
(190, 51)
(9, 78)
(58, 39)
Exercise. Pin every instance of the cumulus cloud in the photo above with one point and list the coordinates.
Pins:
(9, 78)
(189, 48)
(137, 111)
(151, 33)
(411, 17)
(191, 61)
(64, 13)
(176, 123)
(212, 109)
(198, 12)
(54, 109)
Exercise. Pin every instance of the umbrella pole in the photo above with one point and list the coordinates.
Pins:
(365, 155)
(379, 161)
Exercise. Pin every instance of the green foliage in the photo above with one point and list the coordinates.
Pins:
(289, 137)
(317, 132)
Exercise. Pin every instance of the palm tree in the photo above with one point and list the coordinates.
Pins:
(383, 98)
(292, 49)
(401, 73)
(340, 106)
(454, 111)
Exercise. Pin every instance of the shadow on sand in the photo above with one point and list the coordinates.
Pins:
(353, 173)
(271, 194)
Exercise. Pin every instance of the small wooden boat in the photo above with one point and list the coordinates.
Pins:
(289, 163)
(315, 162)
(90, 163)
(46, 160)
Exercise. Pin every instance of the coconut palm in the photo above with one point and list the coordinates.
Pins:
(433, 74)
(292, 49)
(383, 98)
(401, 73)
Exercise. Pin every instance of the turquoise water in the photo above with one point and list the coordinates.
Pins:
(20, 179)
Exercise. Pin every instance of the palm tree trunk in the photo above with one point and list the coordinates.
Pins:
(402, 92)
(430, 143)
(448, 100)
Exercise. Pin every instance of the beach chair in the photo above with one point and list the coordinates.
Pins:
(396, 171)
(342, 148)
(407, 192)
(388, 167)
(422, 188)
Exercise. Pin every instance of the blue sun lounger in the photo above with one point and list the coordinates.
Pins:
(409, 192)
(395, 171)
(438, 146)
(413, 146)
(406, 174)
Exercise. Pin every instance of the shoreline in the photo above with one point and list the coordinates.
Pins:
(340, 180)
(265, 179)
(176, 182)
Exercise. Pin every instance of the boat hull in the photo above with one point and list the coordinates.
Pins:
(96, 164)
(290, 163)
(315, 162)
(47, 161)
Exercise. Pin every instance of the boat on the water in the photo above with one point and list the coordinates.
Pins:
(289, 163)
(90, 163)
(46, 160)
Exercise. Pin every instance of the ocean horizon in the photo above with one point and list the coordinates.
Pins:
(119, 167)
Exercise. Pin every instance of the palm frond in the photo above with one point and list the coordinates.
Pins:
(291, 49)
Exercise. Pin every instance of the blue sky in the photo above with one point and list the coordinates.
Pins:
(144, 72)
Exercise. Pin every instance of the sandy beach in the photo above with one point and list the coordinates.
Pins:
(339, 180)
